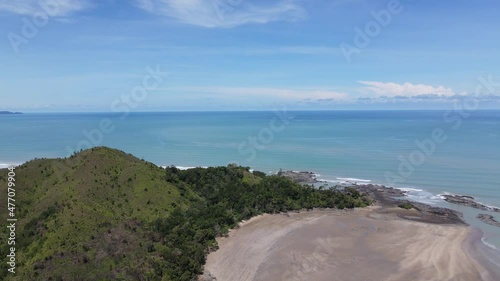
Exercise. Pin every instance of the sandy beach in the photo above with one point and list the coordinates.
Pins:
(337, 245)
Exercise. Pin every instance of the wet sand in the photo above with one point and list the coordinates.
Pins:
(361, 244)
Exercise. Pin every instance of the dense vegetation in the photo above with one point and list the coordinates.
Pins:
(229, 195)
(103, 214)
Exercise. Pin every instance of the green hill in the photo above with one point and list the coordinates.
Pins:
(106, 215)
(92, 212)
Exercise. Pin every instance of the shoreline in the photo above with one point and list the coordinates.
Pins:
(413, 196)
(475, 246)
(372, 242)
(402, 191)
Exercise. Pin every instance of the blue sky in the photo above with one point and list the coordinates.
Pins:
(89, 55)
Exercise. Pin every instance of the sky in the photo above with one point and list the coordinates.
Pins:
(195, 55)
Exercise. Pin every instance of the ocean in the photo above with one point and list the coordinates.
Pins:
(428, 153)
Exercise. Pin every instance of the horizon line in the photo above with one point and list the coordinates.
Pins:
(250, 110)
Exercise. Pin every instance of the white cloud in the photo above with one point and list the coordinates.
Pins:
(282, 93)
(55, 8)
(256, 92)
(223, 13)
(405, 90)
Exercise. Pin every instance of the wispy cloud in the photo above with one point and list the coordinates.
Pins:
(260, 92)
(223, 13)
(269, 50)
(392, 90)
(54, 8)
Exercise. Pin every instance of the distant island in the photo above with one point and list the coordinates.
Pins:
(9, 112)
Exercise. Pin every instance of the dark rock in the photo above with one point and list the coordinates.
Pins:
(489, 219)
(389, 198)
(383, 195)
(468, 201)
(299, 177)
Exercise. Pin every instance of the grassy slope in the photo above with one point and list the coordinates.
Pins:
(91, 212)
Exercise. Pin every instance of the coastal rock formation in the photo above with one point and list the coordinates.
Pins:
(382, 194)
(299, 177)
(468, 201)
(489, 219)
(438, 214)
(390, 198)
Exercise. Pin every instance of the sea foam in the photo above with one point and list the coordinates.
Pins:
(489, 245)
(353, 180)
(421, 195)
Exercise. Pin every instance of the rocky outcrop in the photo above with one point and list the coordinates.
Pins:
(468, 201)
(299, 177)
(391, 198)
(382, 194)
(489, 219)
(438, 215)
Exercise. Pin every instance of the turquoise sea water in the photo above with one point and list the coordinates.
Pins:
(429, 152)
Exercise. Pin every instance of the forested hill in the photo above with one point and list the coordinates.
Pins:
(103, 214)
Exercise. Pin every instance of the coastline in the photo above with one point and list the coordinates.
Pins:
(482, 254)
(425, 198)
(392, 240)
(372, 243)
(404, 193)
(479, 251)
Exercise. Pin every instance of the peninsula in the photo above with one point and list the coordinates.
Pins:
(107, 215)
